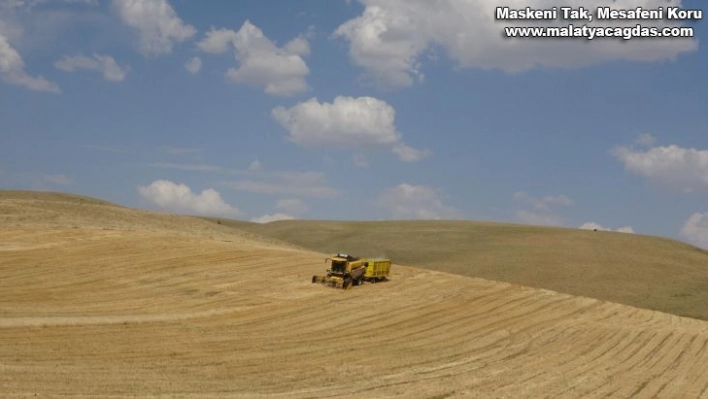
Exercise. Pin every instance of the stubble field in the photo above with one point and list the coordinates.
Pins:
(103, 301)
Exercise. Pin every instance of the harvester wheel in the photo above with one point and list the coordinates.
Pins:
(347, 283)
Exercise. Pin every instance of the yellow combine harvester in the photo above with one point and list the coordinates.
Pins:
(346, 270)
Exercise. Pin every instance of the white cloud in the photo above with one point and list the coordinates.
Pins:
(671, 167)
(351, 122)
(595, 226)
(390, 37)
(348, 123)
(407, 201)
(281, 71)
(12, 70)
(542, 210)
(194, 65)
(695, 230)
(158, 25)
(218, 41)
(272, 218)
(180, 198)
(409, 154)
(259, 181)
(298, 46)
(102, 63)
(293, 206)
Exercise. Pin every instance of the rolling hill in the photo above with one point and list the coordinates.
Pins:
(103, 301)
(649, 272)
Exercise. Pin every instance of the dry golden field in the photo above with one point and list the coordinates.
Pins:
(102, 301)
(648, 272)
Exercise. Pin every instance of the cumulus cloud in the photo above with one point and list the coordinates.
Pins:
(12, 70)
(409, 154)
(347, 122)
(272, 218)
(180, 198)
(351, 122)
(158, 25)
(543, 210)
(595, 226)
(695, 230)
(671, 167)
(291, 209)
(281, 71)
(259, 181)
(102, 63)
(407, 201)
(389, 39)
(626, 229)
(194, 65)
(218, 41)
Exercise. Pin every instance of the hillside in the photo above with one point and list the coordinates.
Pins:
(637, 270)
(103, 301)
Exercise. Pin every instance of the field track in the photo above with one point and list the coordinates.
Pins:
(126, 304)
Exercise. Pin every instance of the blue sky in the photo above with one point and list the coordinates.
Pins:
(266, 110)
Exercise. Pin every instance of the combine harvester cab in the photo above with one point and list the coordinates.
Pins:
(346, 271)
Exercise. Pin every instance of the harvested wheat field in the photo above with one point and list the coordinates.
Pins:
(103, 301)
(648, 272)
